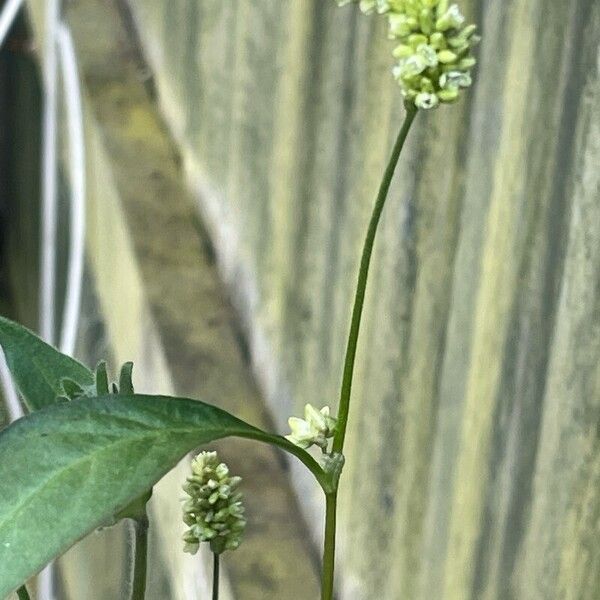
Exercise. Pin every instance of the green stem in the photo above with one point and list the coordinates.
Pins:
(138, 589)
(215, 594)
(359, 300)
(329, 547)
(309, 462)
(23, 594)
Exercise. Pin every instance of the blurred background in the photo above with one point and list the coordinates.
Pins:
(187, 183)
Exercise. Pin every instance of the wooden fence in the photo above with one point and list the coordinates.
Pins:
(474, 456)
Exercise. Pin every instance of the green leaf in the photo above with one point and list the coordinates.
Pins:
(71, 467)
(37, 368)
(136, 509)
(101, 379)
(125, 380)
(71, 389)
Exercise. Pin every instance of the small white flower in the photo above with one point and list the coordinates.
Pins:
(428, 54)
(455, 79)
(426, 101)
(411, 66)
(451, 19)
(302, 434)
(314, 429)
(320, 420)
(401, 25)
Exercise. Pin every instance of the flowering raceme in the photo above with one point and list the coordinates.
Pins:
(434, 48)
(214, 511)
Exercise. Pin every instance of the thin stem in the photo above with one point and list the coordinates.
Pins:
(23, 594)
(309, 462)
(359, 300)
(215, 594)
(138, 589)
(329, 547)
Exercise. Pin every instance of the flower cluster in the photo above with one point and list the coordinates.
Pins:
(214, 511)
(434, 48)
(314, 429)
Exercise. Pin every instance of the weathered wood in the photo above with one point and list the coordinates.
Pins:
(171, 317)
(473, 458)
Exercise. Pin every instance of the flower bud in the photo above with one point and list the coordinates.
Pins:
(316, 427)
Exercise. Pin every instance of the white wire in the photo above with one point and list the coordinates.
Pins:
(74, 116)
(9, 13)
(56, 34)
(49, 212)
(7, 16)
(49, 178)
(11, 397)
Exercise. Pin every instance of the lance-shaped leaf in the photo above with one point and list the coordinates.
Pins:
(37, 368)
(71, 467)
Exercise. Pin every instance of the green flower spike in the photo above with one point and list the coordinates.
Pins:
(214, 511)
(314, 429)
(434, 48)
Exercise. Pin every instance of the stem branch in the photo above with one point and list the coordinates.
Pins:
(359, 300)
(329, 547)
(23, 594)
(215, 593)
(138, 589)
(363, 274)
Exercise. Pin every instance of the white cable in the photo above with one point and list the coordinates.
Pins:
(49, 178)
(7, 17)
(11, 397)
(9, 13)
(56, 34)
(74, 116)
(49, 212)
